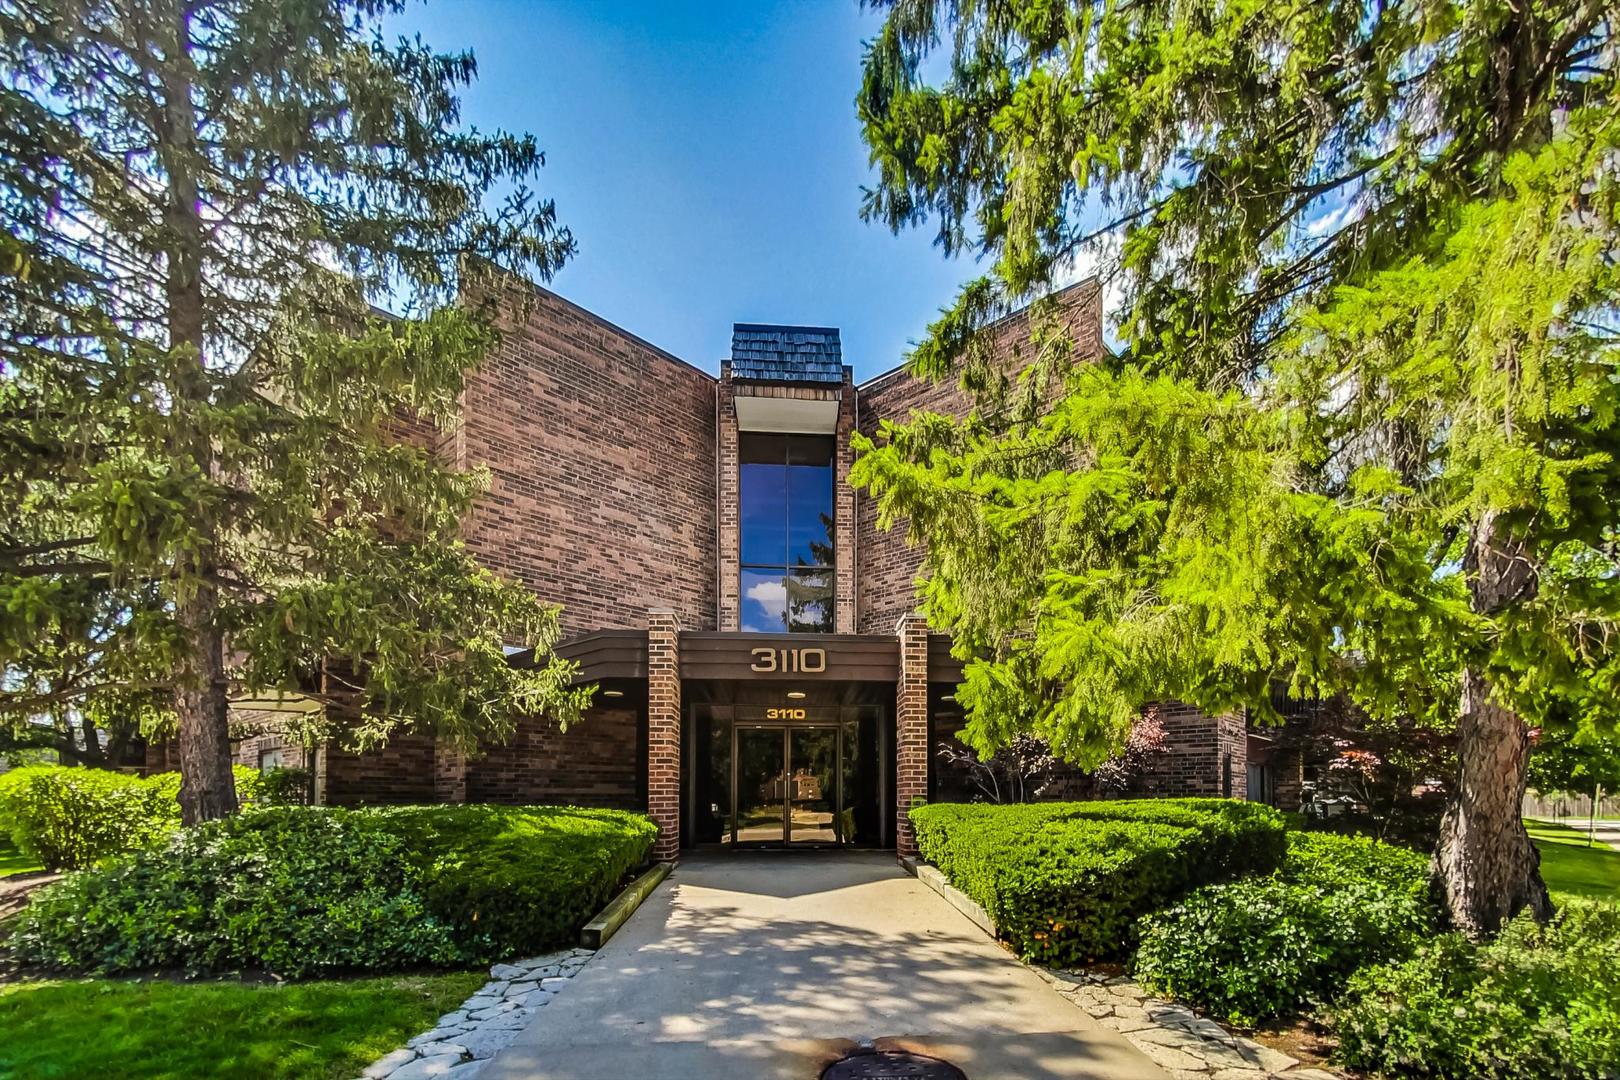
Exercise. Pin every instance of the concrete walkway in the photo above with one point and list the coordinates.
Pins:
(769, 967)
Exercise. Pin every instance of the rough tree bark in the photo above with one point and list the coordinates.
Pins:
(1486, 870)
(207, 788)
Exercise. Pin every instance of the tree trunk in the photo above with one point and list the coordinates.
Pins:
(1486, 870)
(207, 789)
(92, 744)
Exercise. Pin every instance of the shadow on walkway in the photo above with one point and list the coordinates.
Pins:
(753, 966)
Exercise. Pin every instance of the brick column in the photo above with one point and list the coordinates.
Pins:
(449, 774)
(844, 514)
(728, 535)
(1232, 756)
(664, 731)
(910, 728)
(1289, 770)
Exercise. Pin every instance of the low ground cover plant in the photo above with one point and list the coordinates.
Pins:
(1257, 948)
(1536, 1001)
(71, 818)
(305, 890)
(1065, 882)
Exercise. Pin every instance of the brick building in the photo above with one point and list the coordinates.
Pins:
(763, 678)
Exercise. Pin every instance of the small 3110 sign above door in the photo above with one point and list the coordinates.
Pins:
(789, 661)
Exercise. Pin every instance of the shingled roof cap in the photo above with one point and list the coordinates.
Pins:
(802, 354)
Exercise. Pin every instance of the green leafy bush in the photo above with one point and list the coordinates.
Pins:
(70, 818)
(1065, 882)
(1537, 1001)
(288, 890)
(1249, 950)
(1332, 859)
(306, 890)
(1253, 949)
(514, 880)
(286, 786)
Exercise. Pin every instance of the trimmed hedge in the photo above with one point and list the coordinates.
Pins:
(1065, 882)
(516, 880)
(70, 818)
(1249, 950)
(1537, 1001)
(303, 891)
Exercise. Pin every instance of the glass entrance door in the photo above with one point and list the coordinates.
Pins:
(813, 785)
(759, 813)
(788, 787)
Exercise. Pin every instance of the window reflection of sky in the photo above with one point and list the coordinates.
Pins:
(785, 515)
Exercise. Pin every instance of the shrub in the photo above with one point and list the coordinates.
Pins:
(285, 786)
(1537, 1001)
(515, 880)
(1065, 882)
(305, 890)
(70, 818)
(293, 891)
(1331, 859)
(1253, 949)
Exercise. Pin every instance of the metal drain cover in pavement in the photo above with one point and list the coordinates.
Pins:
(891, 1065)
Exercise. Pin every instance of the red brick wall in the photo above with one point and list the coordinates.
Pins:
(402, 773)
(1198, 745)
(594, 763)
(602, 454)
(887, 566)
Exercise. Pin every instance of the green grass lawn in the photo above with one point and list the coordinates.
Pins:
(148, 1030)
(13, 861)
(1569, 866)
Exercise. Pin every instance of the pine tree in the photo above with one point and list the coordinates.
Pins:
(1362, 434)
(207, 485)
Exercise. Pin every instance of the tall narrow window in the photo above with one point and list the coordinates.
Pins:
(786, 516)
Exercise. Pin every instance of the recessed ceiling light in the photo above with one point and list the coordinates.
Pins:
(948, 697)
(796, 695)
(613, 693)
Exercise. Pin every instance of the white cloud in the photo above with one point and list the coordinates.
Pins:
(772, 597)
(1334, 218)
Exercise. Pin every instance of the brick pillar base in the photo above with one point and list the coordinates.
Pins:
(910, 729)
(664, 731)
(1289, 770)
(449, 774)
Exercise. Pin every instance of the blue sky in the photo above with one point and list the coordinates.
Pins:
(707, 157)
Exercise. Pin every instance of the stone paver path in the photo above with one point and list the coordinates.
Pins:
(1188, 1046)
(463, 1041)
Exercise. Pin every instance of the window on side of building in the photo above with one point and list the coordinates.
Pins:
(785, 513)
